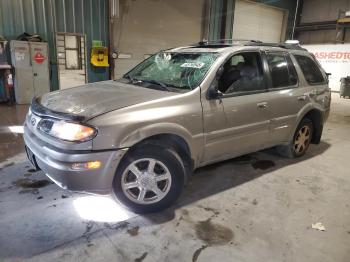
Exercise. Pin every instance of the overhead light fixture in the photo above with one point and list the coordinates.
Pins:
(292, 42)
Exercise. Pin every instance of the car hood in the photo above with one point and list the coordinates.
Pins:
(94, 99)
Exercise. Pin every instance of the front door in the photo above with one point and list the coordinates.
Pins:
(238, 122)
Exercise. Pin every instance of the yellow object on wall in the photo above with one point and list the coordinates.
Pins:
(99, 56)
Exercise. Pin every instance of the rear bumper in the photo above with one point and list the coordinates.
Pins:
(57, 164)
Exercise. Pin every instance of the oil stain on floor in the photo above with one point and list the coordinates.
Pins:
(141, 258)
(198, 252)
(133, 231)
(213, 234)
(31, 183)
(33, 191)
(263, 164)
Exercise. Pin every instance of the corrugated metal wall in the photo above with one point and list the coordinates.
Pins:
(220, 19)
(315, 12)
(325, 10)
(45, 17)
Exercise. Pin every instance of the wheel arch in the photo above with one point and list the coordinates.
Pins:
(178, 138)
(316, 118)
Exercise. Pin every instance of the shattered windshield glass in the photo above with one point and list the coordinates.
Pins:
(175, 70)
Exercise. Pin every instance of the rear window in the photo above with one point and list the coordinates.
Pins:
(281, 70)
(311, 71)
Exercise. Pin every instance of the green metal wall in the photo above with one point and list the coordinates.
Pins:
(46, 17)
(220, 19)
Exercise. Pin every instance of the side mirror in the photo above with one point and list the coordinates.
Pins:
(219, 73)
(213, 93)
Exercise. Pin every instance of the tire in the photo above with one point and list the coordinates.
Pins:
(150, 178)
(305, 130)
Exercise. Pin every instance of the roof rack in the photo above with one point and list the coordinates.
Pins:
(281, 45)
(226, 41)
(246, 42)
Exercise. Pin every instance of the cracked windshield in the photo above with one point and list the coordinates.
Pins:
(176, 70)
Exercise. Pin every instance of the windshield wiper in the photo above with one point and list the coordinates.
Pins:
(130, 78)
(150, 81)
(163, 85)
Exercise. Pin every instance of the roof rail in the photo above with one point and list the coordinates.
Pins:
(280, 45)
(226, 41)
(246, 42)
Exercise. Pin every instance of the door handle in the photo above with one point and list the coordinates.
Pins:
(311, 94)
(302, 98)
(262, 105)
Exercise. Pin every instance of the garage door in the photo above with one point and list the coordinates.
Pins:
(147, 26)
(257, 21)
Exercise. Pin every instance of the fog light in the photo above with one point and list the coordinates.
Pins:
(86, 165)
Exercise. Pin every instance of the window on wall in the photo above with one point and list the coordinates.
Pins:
(282, 70)
(242, 73)
(311, 71)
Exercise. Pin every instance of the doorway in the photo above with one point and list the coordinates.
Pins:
(71, 59)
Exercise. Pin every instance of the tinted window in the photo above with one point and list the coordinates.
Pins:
(311, 71)
(242, 73)
(282, 70)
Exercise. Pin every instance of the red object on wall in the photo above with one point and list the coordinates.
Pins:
(39, 58)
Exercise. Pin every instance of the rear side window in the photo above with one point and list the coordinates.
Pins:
(311, 71)
(282, 70)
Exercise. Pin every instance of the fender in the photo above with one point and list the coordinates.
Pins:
(302, 113)
(194, 142)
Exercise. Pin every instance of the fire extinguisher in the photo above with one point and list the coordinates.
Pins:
(10, 92)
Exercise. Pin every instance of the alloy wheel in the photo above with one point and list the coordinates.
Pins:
(146, 181)
(302, 139)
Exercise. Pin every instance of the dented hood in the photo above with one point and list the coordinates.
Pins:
(94, 99)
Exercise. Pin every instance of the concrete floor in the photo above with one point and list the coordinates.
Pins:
(259, 207)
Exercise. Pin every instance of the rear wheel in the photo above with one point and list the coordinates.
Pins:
(149, 179)
(301, 140)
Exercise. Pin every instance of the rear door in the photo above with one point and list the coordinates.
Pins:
(316, 81)
(287, 95)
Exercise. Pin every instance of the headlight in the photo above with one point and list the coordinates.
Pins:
(66, 130)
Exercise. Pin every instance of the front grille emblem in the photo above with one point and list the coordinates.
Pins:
(33, 121)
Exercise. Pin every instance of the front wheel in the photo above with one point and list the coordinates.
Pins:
(149, 179)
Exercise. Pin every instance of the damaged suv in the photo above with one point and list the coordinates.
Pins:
(140, 137)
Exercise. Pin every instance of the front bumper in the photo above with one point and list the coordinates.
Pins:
(57, 164)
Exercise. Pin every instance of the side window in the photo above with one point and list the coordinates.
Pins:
(282, 70)
(311, 71)
(242, 73)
